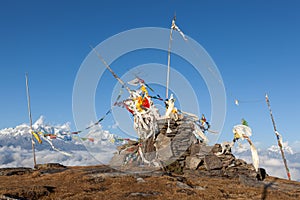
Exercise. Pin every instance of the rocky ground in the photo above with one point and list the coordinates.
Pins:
(53, 181)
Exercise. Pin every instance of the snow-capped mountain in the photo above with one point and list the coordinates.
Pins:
(58, 145)
(285, 146)
(14, 136)
(39, 125)
(272, 151)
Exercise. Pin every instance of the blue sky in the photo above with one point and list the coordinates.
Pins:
(255, 45)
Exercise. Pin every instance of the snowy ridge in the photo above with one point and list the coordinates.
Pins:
(39, 125)
(16, 150)
(285, 146)
(62, 132)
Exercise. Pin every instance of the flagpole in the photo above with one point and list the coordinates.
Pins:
(278, 138)
(30, 120)
(169, 59)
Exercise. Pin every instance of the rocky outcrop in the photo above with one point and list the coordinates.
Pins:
(178, 151)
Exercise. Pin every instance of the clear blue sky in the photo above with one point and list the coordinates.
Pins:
(255, 44)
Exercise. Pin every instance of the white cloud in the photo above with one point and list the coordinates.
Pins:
(295, 146)
(270, 162)
(17, 157)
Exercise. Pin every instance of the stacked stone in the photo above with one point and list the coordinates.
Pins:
(179, 151)
(173, 146)
(210, 160)
(162, 147)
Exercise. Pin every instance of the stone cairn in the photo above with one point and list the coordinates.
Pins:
(178, 151)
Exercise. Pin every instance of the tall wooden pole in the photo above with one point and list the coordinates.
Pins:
(30, 120)
(169, 59)
(278, 138)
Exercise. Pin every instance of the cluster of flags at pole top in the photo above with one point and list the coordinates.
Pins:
(176, 28)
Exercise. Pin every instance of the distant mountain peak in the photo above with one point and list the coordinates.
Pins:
(39, 122)
(285, 146)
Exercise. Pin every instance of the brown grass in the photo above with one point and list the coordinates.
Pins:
(99, 182)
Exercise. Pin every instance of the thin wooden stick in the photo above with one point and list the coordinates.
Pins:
(169, 58)
(278, 138)
(30, 120)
